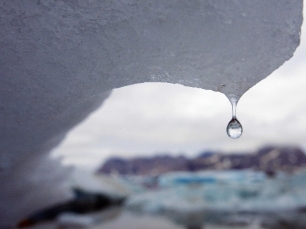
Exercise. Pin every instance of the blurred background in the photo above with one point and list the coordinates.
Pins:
(157, 156)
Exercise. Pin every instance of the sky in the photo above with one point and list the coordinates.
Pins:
(157, 118)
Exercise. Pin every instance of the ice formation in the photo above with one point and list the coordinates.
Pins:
(60, 59)
(211, 196)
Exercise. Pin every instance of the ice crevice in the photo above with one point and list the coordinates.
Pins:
(60, 59)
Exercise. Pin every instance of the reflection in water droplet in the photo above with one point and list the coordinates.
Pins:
(234, 129)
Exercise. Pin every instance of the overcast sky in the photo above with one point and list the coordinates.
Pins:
(153, 118)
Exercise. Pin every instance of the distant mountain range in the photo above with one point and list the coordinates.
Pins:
(268, 159)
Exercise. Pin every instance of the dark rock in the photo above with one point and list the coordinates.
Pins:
(84, 202)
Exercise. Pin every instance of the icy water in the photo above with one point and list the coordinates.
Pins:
(132, 221)
(234, 128)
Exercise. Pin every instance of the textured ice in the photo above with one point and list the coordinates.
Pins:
(226, 195)
(60, 59)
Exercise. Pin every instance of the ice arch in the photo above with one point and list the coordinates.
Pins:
(59, 59)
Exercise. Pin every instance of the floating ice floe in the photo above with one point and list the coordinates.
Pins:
(217, 197)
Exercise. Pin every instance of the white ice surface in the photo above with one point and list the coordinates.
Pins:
(60, 59)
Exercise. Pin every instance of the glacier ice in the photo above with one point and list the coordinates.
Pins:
(220, 196)
(60, 59)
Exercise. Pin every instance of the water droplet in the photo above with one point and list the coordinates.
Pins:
(234, 128)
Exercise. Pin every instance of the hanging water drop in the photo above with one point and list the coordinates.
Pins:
(234, 128)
